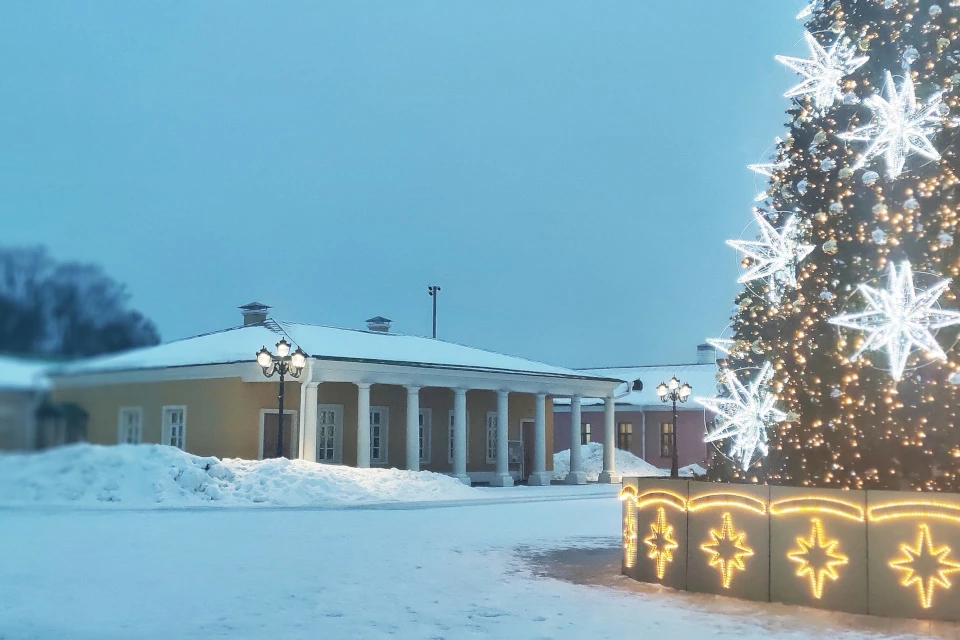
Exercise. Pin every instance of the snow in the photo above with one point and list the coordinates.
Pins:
(21, 375)
(409, 573)
(241, 343)
(151, 476)
(627, 464)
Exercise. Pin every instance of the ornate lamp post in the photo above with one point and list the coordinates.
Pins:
(285, 364)
(673, 391)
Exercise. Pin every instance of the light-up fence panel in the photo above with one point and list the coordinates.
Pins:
(880, 552)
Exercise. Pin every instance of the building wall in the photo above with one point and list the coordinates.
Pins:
(440, 402)
(690, 429)
(17, 420)
(223, 414)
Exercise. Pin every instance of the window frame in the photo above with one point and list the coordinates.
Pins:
(337, 411)
(138, 411)
(621, 432)
(491, 429)
(666, 429)
(382, 460)
(466, 427)
(585, 433)
(425, 437)
(165, 426)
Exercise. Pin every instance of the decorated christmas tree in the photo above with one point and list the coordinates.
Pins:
(840, 354)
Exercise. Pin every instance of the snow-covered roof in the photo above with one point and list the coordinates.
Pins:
(702, 377)
(22, 375)
(239, 344)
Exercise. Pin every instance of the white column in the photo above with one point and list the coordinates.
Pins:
(539, 477)
(363, 425)
(413, 428)
(609, 473)
(576, 475)
(460, 436)
(502, 477)
(309, 429)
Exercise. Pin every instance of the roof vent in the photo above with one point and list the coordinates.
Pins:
(379, 323)
(706, 354)
(254, 312)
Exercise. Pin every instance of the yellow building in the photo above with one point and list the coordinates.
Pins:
(364, 398)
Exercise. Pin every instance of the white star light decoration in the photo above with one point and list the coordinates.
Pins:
(899, 319)
(775, 254)
(823, 71)
(743, 416)
(901, 126)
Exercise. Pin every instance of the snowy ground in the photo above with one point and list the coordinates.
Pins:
(626, 464)
(378, 572)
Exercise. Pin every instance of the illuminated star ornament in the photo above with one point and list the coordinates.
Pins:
(901, 126)
(899, 319)
(723, 345)
(727, 550)
(775, 254)
(661, 542)
(925, 566)
(808, 10)
(818, 558)
(743, 415)
(823, 71)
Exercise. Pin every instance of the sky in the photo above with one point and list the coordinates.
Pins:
(567, 172)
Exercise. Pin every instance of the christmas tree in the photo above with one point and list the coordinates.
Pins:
(837, 372)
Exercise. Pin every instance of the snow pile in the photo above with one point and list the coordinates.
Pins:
(137, 476)
(626, 463)
(591, 453)
(692, 470)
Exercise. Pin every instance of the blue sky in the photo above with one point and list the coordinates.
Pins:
(567, 172)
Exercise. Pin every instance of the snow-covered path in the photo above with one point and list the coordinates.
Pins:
(450, 572)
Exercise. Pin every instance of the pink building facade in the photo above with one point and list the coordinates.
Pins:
(643, 424)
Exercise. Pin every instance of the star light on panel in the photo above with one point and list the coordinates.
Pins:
(727, 550)
(823, 71)
(661, 542)
(630, 540)
(775, 254)
(901, 126)
(818, 558)
(925, 566)
(899, 320)
(743, 415)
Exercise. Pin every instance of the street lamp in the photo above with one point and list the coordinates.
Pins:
(285, 364)
(434, 292)
(672, 391)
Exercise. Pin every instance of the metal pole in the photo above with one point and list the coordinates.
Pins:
(280, 416)
(674, 459)
(434, 315)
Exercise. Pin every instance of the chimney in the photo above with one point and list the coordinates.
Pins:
(254, 313)
(706, 354)
(378, 323)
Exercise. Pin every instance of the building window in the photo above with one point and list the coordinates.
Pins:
(129, 429)
(491, 437)
(450, 437)
(426, 424)
(585, 433)
(329, 425)
(666, 439)
(174, 426)
(379, 425)
(625, 436)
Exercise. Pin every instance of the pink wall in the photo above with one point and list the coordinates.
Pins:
(690, 427)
